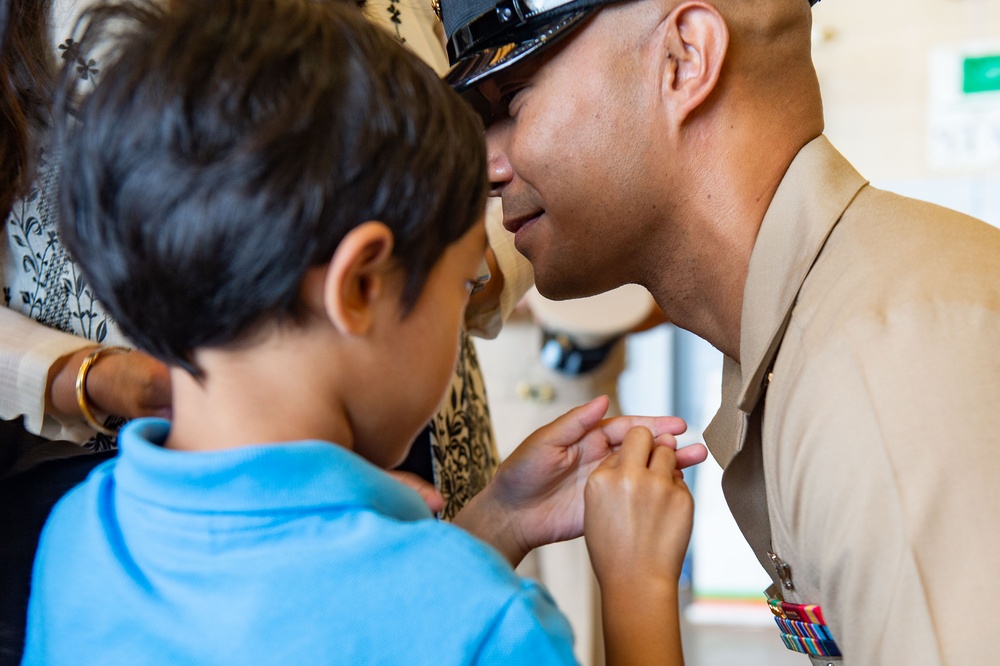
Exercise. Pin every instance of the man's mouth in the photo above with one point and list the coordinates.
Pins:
(515, 223)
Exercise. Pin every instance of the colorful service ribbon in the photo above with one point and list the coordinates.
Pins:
(803, 628)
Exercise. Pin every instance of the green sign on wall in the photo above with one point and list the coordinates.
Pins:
(981, 74)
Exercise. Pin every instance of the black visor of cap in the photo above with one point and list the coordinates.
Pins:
(486, 61)
(506, 32)
(487, 36)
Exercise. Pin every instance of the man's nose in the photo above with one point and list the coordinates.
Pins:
(497, 164)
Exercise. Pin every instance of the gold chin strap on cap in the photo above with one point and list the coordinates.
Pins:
(81, 386)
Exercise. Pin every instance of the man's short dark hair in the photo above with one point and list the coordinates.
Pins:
(230, 145)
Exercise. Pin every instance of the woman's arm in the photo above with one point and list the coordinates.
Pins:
(38, 381)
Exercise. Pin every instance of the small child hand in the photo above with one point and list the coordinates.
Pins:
(428, 493)
(637, 520)
(638, 513)
(537, 496)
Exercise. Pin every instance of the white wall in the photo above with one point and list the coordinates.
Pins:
(874, 63)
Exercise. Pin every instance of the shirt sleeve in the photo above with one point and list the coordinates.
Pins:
(27, 351)
(529, 630)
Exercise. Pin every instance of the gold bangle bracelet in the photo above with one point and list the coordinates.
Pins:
(81, 386)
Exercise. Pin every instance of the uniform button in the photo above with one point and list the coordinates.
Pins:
(532, 392)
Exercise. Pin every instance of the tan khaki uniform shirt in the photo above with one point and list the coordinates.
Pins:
(871, 324)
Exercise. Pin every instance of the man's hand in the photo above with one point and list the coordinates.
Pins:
(537, 495)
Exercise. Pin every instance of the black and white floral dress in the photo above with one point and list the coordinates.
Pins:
(39, 279)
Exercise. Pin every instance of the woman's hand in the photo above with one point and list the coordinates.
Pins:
(129, 384)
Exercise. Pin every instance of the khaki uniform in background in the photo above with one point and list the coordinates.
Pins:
(871, 324)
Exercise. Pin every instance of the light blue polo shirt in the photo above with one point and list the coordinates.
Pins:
(297, 553)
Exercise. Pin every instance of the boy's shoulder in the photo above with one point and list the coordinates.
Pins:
(461, 561)
(488, 612)
(348, 567)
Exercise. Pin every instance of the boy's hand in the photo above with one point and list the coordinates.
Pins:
(537, 495)
(638, 524)
(638, 513)
(428, 493)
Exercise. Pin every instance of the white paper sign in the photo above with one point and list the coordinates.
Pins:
(963, 128)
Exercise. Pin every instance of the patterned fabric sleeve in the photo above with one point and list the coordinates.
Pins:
(464, 451)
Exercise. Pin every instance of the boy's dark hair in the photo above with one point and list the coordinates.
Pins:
(232, 144)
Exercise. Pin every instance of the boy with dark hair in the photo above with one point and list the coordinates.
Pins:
(281, 203)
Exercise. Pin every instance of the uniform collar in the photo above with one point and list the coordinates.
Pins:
(817, 188)
(305, 475)
(814, 193)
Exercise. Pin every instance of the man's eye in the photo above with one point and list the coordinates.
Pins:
(507, 99)
(499, 109)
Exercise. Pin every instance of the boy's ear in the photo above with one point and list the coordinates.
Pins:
(694, 48)
(358, 278)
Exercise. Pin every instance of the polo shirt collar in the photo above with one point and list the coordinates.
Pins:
(307, 475)
(817, 188)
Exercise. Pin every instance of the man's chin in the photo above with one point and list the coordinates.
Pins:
(557, 287)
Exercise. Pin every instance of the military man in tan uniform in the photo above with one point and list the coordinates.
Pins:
(678, 144)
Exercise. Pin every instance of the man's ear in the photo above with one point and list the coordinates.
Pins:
(695, 43)
(359, 278)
